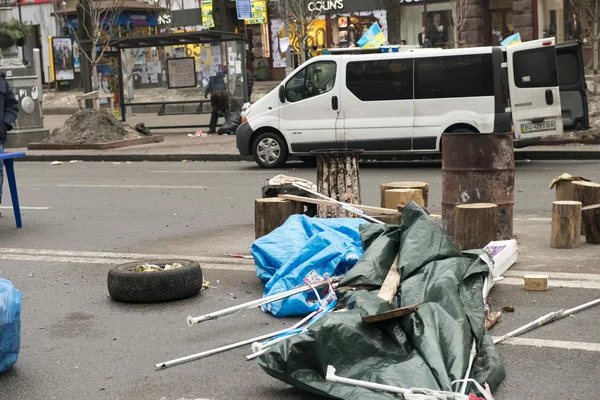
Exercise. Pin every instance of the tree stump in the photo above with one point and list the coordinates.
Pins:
(564, 190)
(270, 213)
(423, 186)
(396, 197)
(475, 225)
(588, 193)
(338, 178)
(590, 218)
(566, 224)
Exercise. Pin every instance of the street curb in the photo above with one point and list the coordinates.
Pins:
(538, 155)
(116, 144)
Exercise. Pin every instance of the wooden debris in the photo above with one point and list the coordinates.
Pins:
(270, 213)
(310, 200)
(385, 316)
(566, 224)
(423, 186)
(588, 193)
(536, 282)
(396, 197)
(391, 283)
(491, 318)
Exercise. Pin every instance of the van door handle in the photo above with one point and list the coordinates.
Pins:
(335, 103)
(549, 97)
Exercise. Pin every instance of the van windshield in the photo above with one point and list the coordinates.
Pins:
(314, 80)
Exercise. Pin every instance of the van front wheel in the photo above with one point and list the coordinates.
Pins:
(270, 150)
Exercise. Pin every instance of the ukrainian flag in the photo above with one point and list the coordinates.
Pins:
(512, 39)
(373, 38)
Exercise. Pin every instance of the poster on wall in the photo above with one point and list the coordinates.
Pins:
(207, 14)
(76, 57)
(62, 57)
(181, 72)
(108, 80)
(278, 53)
(259, 13)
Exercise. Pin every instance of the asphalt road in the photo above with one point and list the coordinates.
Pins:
(78, 343)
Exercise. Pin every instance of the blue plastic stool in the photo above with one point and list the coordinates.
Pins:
(9, 164)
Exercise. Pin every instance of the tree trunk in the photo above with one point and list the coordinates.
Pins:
(394, 18)
(85, 31)
(222, 17)
(272, 212)
(595, 54)
(396, 197)
(590, 217)
(475, 225)
(566, 224)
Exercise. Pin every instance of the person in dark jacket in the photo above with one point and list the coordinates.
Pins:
(9, 106)
(226, 105)
(216, 84)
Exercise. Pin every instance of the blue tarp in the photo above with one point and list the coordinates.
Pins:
(304, 247)
(10, 324)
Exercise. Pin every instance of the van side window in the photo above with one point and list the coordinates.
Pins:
(314, 80)
(535, 68)
(454, 76)
(380, 80)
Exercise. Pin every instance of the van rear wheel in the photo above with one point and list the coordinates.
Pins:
(270, 150)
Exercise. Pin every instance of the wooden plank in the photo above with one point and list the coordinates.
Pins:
(390, 284)
(396, 313)
(536, 282)
(310, 200)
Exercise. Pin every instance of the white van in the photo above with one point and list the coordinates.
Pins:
(402, 102)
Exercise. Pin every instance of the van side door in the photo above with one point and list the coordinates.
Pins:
(533, 85)
(571, 80)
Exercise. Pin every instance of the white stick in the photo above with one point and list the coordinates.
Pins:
(255, 303)
(345, 206)
(553, 316)
(230, 346)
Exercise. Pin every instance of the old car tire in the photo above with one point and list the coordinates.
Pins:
(270, 150)
(150, 287)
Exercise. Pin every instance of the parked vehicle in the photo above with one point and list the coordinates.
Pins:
(402, 102)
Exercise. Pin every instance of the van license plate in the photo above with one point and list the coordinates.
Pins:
(538, 127)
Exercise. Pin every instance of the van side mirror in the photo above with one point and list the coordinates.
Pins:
(282, 93)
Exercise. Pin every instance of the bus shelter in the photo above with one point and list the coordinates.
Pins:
(163, 79)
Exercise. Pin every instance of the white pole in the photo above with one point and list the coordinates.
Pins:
(265, 300)
(221, 349)
(553, 316)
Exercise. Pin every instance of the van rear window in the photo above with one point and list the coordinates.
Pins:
(568, 72)
(454, 76)
(535, 68)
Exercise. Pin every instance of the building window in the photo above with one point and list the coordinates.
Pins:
(380, 80)
(456, 76)
(314, 80)
(533, 68)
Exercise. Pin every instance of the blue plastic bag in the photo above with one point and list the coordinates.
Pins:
(300, 248)
(10, 324)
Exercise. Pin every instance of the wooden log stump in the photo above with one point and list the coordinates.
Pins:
(270, 213)
(590, 217)
(566, 224)
(475, 225)
(423, 186)
(338, 178)
(401, 197)
(588, 193)
(564, 190)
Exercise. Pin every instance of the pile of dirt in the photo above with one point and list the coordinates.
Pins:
(90, 126)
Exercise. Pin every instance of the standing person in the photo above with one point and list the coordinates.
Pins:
(436, 32)
(250, 78)
(216, 86)
(10, 111)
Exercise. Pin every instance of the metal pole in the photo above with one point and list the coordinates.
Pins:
(221, 349)
(265, 300)
(37, 65)
(553, 316)
(121, 88)
(288, 54)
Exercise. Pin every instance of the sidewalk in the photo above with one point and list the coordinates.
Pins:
(177, 146)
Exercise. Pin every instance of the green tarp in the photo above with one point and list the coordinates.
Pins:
(427, 349)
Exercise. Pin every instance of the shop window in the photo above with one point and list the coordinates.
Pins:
(568, 72)
(456, 76)
(380, 80)
(316, 79)
(535, 68)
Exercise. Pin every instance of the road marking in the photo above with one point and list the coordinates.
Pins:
(24, 208)
(88, 257)
(556, 344)
(556, 275)
(134, 186)
(554, 283)
(556, 279)
(534, 219)
(212, 172)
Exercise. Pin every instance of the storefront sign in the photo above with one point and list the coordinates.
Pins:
(325, 5)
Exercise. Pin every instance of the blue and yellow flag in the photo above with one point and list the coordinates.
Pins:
(512, 39)
(373, 38)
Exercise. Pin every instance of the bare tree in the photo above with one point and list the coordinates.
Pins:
(588, 14)
(299, 19)
(96, 26)
(460, 13)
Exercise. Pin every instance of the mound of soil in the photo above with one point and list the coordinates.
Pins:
(90, 126)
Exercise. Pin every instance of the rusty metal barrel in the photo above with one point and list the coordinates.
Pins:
(478, 168)
(338, 178)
